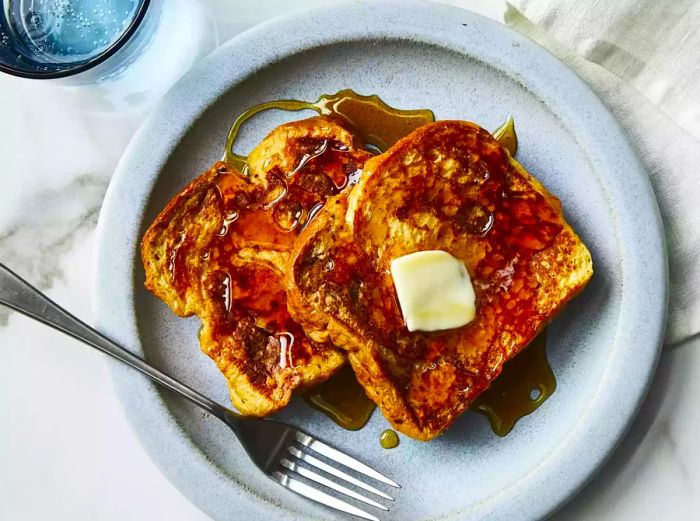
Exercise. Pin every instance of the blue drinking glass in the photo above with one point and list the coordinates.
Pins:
(44, 39)
(122, 51)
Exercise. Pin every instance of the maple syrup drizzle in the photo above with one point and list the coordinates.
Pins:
(375, 122)
(524, 384)
(341, 397)
(389, 439)
(505, 135)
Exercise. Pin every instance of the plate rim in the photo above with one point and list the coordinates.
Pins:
(408, 20)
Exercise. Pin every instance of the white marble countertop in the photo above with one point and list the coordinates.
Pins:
(66, 449)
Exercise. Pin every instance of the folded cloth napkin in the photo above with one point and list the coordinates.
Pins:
(641, 57)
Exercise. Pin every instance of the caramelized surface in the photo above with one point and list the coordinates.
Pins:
(218, 250)
(449, 186)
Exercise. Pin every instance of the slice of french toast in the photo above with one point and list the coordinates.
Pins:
(219, 248)
(447, 186)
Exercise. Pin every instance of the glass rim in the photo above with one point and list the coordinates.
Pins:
(93, 62)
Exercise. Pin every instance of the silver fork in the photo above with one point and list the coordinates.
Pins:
(276, 449)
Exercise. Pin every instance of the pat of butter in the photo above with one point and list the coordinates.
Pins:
(434, 290)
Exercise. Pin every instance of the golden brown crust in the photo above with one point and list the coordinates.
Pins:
(448, 186)
(218, 248)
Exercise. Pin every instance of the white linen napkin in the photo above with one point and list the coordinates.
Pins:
(642, 58)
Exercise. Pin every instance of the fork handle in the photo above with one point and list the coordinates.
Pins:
(19, 295)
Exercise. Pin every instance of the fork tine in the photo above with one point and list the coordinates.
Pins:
(303, 471)
(342, 458)
(320, 497)
(308, 458)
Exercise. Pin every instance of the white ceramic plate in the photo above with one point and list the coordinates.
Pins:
(603, 348)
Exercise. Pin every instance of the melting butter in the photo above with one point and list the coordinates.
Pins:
(434, 290)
